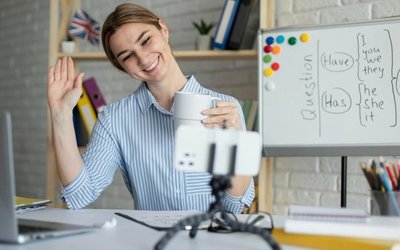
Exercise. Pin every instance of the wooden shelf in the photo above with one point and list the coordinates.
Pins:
(179, 54)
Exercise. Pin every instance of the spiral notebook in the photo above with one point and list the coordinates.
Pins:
(341, 222)
(298, 212)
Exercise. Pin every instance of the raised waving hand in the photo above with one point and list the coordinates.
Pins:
(64, 88)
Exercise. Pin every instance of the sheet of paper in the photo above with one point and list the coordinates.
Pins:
(161, 219)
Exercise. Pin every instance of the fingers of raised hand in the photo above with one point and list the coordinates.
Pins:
(50, 75)
(70, 68)
(57, 70)
(63, 69)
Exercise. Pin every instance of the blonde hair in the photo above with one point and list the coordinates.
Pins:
(123, 14)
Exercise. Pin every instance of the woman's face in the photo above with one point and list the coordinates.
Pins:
(142, 50)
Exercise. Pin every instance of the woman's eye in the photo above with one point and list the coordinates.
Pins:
(145, 41)
(127, 57)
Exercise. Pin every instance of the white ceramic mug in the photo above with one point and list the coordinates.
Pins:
(188, 107)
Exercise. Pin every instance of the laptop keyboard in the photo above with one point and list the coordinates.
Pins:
(32, 229)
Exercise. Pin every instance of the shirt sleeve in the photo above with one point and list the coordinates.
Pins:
(235, 204)
(100, 161)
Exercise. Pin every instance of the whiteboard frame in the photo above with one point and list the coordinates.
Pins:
(318, 150)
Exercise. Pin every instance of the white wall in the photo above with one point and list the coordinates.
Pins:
(24, 28)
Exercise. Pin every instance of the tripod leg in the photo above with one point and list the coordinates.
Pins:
(194, 220)
(193, 230)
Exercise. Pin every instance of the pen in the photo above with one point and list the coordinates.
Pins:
(367, 175)
(385, 180)
(378, 181)
(398, 171)
(391, 177)
(395, 173)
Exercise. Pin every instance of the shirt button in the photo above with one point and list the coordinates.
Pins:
(178, 191)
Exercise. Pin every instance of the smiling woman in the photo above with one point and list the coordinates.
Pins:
(136, 133)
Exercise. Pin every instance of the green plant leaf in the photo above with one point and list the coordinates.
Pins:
(202, 27)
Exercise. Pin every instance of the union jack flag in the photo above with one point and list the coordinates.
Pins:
(85, 27)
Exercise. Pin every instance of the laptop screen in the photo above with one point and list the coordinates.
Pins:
(8, 225)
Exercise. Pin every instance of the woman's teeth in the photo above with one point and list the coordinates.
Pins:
(152, 66)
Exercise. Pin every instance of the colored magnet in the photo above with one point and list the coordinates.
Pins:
(276, 49)
(275, 66)
(292, 40)
(305, 37)
(269, 40)
(280, 39)
(267, 58)
(268, 72)
(268, 49)
(269, 86)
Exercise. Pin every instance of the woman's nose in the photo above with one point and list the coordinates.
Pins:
(142, 58)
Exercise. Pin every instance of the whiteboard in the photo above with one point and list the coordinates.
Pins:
(330, 90)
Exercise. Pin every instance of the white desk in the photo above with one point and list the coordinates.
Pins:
(130, 235)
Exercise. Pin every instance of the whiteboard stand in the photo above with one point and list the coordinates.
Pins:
(343, 184)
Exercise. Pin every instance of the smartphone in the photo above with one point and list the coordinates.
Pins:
(217, 151)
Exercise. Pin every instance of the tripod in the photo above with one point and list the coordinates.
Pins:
(219, 184)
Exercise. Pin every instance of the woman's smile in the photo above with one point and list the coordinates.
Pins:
(153, 66)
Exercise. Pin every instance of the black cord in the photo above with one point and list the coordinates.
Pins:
(194, 220)
(249, 228)
(260, 215)
(219, 184)
(139, 222)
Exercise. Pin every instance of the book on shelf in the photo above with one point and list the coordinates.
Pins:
(95, 96)
(82, 138)
(87, 112)
(244, 29)
(224, 25)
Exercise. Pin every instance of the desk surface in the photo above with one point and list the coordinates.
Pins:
(130, 235)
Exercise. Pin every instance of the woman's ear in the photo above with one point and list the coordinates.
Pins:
(164, 28)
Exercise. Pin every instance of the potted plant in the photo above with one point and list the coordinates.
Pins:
(68, 45)
(203, 40)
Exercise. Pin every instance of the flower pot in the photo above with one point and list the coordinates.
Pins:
(68, 46)
(203, 42)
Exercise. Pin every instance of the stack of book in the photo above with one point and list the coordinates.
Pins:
(237, 26)
(336, 228)
(24, 204)
(90, 104)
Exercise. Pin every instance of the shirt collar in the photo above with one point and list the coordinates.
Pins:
(146, 98)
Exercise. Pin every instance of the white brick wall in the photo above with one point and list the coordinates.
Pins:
(24, 28)
(23, 51)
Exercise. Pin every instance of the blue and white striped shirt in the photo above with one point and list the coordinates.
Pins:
(136, 135)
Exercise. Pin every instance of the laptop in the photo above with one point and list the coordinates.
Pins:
(13, 230)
